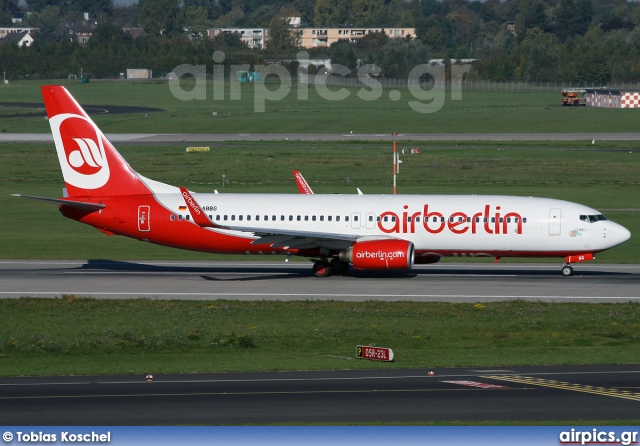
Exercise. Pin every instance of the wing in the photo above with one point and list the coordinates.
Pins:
(279, 238)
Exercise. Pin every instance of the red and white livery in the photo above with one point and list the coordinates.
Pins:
(374, 232)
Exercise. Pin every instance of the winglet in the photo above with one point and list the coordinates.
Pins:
(199, 216)
(302, 184)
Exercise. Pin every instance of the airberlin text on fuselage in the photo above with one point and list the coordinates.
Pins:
(487, 221)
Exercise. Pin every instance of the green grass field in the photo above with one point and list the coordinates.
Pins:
(89, 336)
(488, 112)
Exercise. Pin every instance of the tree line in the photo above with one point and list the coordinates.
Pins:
(590, 41)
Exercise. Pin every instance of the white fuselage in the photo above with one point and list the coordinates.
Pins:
(448, 225)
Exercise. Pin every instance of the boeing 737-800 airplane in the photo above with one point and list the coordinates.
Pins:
(371, 232)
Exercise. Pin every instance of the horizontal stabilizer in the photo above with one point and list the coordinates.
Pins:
(82, 205)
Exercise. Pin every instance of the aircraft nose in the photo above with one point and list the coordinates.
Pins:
(619, 234)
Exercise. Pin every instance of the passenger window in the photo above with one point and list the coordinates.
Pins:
(329, 218)
(273, 218)
(233, 218)
(217, 217)
(313, 218)
(188, 217)
(240, 217)
(306, 218)
(337, 218)
(179, 217)
(298, 218)
(524, 220)
(290, 217)
(173, 217)
(248, 217)
(322, 218)
(346, 218)
(225, 218)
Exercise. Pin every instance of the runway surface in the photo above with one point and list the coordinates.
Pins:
(148, 138)
(520, 393)
(454, 282)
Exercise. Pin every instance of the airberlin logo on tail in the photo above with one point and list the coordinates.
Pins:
(80, 147)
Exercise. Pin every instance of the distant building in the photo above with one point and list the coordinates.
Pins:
(4, 31)
(21, 39)
(253, 37)
(294, 21)
(23, 36)
(139, 73)
(324, 37)
(79, 30)
(18, 17)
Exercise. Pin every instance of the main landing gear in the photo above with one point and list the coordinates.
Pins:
(324, 268)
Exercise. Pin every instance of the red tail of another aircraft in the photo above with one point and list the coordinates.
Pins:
(91, 166)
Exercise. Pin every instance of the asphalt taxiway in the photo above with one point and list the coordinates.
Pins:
(521, 393)
(277, 280)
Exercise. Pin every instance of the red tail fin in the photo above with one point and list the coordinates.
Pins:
(303, 186)
(91, 166)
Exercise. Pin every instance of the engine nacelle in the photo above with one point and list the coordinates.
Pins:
(380, 254)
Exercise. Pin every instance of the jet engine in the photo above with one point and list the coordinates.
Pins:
(380, 254)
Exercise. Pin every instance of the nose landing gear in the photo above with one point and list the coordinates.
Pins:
(567, 270)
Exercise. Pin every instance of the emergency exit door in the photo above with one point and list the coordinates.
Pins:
(144, 223)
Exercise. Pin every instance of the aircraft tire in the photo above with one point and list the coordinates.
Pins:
(338, 267)
(567, 271)
(321, 268)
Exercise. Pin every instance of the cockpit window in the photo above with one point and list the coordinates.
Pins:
(593, 218)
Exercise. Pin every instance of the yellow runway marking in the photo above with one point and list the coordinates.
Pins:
(616, 393)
